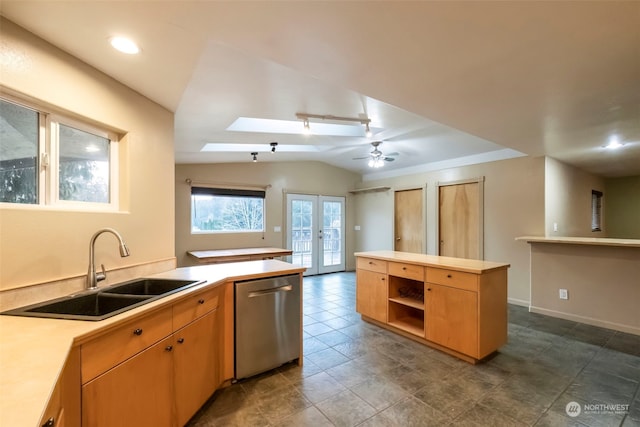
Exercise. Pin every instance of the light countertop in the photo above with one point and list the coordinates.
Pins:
(33, 350)
(593, 241)
(461, 264)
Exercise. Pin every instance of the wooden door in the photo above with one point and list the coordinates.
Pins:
(452, 318)
(136, 393)
(371, 294)
(409, 231)
(459, 218)
(196, 361)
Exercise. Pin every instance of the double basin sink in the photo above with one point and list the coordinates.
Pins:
(105, 302)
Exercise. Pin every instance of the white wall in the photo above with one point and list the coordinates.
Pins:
(513, 206)
(568, 200)
(43, 244)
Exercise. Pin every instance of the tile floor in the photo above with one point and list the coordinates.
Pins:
(356, 374)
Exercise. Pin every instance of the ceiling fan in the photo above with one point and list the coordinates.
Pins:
(376, 158)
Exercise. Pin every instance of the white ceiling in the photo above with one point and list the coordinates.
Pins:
(444, 83)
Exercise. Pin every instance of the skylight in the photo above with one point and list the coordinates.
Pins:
(290, 148)
(250, 124)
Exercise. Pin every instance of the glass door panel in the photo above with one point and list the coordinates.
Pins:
(315, 232)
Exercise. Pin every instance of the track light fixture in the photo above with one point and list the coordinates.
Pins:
(273, 146)
(255, 156)
(307, 129)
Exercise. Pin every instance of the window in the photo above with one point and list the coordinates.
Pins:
(19, 140)
(596, 210)
(223, 210)
(47, 159)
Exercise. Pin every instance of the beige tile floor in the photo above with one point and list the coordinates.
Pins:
(356, 374)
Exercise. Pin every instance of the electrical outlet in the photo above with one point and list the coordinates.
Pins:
(555, 226)
(564, 294)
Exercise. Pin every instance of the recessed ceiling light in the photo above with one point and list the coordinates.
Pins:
(124, 45)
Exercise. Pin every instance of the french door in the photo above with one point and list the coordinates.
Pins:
(315, 232)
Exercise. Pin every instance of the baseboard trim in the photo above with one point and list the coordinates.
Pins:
(588, 320)
(519, 302)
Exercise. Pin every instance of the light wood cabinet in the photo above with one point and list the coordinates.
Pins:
(122, 342)
(452, 318)
(170, 374)
(196, 365)
(371, 294)
(135, 393)
(63, 408)
(456, 305)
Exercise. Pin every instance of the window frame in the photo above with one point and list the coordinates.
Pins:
(596, 210)
(220, 191)
(47, 162)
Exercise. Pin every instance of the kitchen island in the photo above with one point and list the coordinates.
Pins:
(456, 305)
(42, 370)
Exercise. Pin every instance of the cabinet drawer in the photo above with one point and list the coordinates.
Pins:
(195, 306)
(108, 350)
(453, 278)
(372, 265)
(410, 271)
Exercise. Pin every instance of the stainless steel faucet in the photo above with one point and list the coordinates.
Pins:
(94, 277)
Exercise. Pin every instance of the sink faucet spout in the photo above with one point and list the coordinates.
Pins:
(94, 277)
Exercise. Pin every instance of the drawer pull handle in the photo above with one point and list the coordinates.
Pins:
(180, 340)
(137, 332)
(404, 268)
(370, 262)
(168, 348)
(449, 276)
(201, 301)
(429, 289)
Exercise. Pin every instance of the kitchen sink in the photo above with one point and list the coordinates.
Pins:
(150, 287)
(106, 302)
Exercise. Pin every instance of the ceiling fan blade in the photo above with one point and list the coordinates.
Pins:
(388, 159)
(361, 158)
(394, 154)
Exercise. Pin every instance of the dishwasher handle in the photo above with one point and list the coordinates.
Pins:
(284, 288)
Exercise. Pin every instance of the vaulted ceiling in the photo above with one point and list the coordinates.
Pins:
(444, 83)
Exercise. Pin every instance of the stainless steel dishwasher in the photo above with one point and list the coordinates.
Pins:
(267, 324)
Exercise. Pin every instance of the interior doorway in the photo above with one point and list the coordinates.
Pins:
(315, 232)
(460, 219)
(409, 221)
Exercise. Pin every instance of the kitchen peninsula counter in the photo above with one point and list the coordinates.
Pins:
(34, 350)
(599, 275)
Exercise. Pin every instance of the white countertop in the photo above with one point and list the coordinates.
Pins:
(462, 264)
(33, 350)
(594, 241)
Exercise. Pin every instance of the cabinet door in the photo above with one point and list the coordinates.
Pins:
(451, 318)
(371, 294)
(136, 393)
(196, 364)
